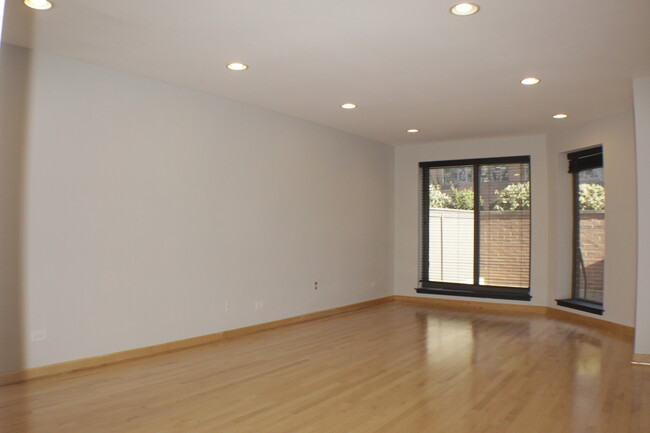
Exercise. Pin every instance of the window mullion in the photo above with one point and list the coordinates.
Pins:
(477, 225)
(425, 224)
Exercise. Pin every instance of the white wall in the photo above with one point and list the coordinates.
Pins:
(406, 217)
(14, 63)
(642, 118)
(616, 134)
(148, 206)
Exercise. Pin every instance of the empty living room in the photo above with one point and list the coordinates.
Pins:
(247, 216)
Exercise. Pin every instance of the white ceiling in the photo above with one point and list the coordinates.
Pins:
(407, 64)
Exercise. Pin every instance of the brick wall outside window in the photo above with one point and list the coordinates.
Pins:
(592, 244)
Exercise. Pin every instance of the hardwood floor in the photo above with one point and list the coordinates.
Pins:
(394, 367)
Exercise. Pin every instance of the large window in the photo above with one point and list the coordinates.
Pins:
(475, 227)
(588, 268)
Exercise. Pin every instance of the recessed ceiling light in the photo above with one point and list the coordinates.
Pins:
(2, 13)
(237, 66)
(529, 81)
(560, 116)
(41, 5)
(464, 9)
(412, 131)
(349, 106)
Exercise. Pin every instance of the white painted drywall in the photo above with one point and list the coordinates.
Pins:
(616, 134)
(407, 205)
(14, 69)
(642, 123)
(148, 206)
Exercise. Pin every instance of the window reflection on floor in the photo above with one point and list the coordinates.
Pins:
(448, 337)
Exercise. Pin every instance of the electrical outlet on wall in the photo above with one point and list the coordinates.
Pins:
(38, 335)
(226, 307)
(315, 285)
(259, 305)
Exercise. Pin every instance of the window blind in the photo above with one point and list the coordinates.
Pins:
(585, 159)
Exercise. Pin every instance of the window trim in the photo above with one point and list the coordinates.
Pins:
(457, 289)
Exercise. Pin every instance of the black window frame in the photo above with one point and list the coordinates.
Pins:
(476, 289)
(581, 160)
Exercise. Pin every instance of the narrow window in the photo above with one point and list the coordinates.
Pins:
(475, 227)
(588, 270)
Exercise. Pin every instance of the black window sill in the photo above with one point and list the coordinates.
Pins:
(476, 293)
(579, 304)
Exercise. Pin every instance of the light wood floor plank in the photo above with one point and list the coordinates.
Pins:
(390, 368)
